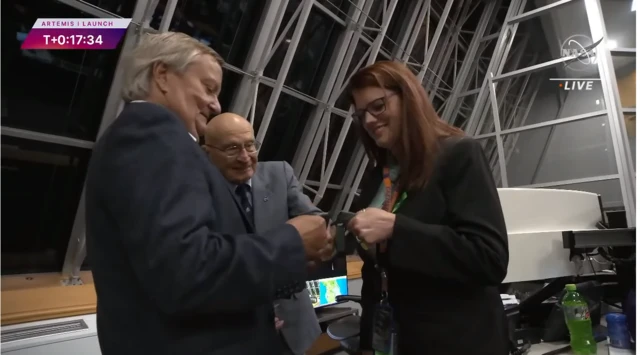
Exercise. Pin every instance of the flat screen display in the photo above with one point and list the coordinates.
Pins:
(323, 292)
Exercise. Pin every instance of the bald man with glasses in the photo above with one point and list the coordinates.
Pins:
(270, 194)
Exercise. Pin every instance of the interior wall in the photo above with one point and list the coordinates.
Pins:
(627, 90)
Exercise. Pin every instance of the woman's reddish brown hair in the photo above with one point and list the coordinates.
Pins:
(420, 127)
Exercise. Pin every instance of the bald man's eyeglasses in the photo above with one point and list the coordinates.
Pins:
(233, 150)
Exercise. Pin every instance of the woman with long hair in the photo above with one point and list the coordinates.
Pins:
(431, 229)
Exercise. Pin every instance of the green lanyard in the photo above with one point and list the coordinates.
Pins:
(399, 202)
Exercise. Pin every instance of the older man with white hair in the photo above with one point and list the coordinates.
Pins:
(178, 268)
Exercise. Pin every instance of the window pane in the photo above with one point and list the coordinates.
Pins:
(550, 36)
(41, 187)
(608, 189)
(462, 111)
(573, 150)
(228, 26)
(123, 8)
(346, 151)
(338, 7)
(58, 92)
(311, 59)
(543, 96)
(285, 129)
(619, 22)
(230, 81)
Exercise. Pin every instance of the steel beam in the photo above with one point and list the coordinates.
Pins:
(500, 53)
(538, 12)
(462, 81)
(76, 250)
(169, 10)
(411, 30)
(615, 116)
(554, 122)
(443, 60)
(349, 180)
(334, 78)
(266, 33)
(505, 88)
(346, 124)
(429, 49)
(339, 85)
(306, 5)
(496, 121)
(45, 137)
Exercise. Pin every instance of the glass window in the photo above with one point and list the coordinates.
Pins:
(346, 151)
(620, 23)
(286, 126)
(228, 26)
(122, 8)
(338, 7)
(41, 187)
(553, 93)
(316, 46)
(56, 92)
(573, 150)
(550, 35)
(463, 109)
(230, 81)
(397, 26)
(330, 195)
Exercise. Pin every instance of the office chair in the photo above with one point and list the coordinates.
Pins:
(346, 330)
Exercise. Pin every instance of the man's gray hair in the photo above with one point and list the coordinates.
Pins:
(176, 50)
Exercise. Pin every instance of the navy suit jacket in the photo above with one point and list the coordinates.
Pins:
(176, 265)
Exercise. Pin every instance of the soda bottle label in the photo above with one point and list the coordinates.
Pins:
(577, 312)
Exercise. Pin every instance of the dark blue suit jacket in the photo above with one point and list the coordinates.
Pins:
(177, 269)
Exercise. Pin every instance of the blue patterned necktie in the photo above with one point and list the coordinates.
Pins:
(243, 191)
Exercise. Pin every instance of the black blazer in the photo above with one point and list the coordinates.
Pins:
(447, 257)
(176, 268)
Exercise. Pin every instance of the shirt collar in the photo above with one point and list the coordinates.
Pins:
(247, 183)
(191, 135)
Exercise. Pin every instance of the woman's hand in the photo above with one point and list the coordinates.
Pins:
(372, 225)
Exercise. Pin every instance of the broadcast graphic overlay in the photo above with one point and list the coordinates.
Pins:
(76, 33)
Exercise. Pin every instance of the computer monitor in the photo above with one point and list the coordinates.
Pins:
(323, 292)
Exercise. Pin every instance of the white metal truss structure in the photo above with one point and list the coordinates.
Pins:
(469, 55)
(510, 89)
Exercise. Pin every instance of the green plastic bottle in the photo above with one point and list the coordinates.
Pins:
(578, 320)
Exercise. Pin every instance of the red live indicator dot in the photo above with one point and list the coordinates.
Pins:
(560, 85)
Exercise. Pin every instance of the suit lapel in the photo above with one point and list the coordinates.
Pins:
(261, 196)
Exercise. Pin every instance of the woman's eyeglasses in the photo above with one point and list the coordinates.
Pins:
(375, 108)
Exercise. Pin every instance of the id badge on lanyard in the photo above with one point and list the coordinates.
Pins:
(385, 336)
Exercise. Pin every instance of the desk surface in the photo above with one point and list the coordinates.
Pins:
(603, 349)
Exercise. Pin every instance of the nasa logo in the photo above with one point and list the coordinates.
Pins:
(575, 45)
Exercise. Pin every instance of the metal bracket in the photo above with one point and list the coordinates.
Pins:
(354, 26)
